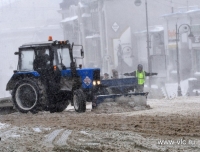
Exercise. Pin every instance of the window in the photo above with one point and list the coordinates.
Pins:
(27, 58)
(173, 59)
(198, 60)
(66, 57)
(62, 55)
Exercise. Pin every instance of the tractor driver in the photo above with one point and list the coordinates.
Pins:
(140, 74)
(41, 60)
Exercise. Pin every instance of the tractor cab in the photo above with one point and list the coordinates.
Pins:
(47, 55)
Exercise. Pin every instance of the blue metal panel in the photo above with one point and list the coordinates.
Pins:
(86, 75)
(119, 82)
(101, 98)
(34, 73)
(66, 73)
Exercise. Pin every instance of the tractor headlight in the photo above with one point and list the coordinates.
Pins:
(98, 82)
(94, 83)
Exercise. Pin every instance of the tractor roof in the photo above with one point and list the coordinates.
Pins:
(37, 44)
(45, 44)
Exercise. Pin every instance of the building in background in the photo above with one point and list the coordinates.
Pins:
(106, 29)
(189, 48)
(194, 84)
(184, 42)
(114, 38)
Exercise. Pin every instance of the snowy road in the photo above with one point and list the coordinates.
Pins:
(170, 125)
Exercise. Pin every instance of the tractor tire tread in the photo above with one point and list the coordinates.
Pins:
(82, 99)
(40, 91)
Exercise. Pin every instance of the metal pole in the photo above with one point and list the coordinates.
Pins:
(148, 52)
(178, 69)
(172, 7)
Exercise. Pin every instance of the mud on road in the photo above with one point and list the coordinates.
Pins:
(168, 125)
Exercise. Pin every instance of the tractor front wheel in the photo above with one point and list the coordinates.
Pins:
(79, 101)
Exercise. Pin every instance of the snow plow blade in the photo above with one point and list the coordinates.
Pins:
(133, 99)
(121, 92)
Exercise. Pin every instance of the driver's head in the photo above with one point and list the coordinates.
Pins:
(41, 52)
(140, 67)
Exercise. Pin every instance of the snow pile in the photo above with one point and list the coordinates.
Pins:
(3, 125)
(37, 129)
(172, 88)
(88, 107)
(154, 86)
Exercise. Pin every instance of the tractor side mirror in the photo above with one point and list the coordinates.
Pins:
(78, 51)
(16, 53)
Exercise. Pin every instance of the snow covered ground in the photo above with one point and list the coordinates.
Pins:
(169, 125)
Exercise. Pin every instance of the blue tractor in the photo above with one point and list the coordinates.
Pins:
(48, 78)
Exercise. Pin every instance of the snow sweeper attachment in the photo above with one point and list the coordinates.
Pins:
(121, 91)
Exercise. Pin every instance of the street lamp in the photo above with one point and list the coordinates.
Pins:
(138, 3)
(186, 27)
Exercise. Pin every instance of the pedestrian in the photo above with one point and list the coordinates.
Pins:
(106, 76)
(140, 75)
(115, 74)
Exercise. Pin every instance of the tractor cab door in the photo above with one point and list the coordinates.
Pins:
(62, 58)
(43, 64)
(62, 61)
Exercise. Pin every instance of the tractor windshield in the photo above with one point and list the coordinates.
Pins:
(63, 57)
(26, 60)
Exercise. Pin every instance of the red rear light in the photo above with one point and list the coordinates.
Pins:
(50, 38)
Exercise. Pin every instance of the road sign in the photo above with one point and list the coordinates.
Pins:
(115, 27)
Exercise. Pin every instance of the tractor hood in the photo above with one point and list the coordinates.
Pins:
(87, 75)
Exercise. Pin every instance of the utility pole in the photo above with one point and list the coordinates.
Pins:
(148, 51)
(138, 3)
(179, 92)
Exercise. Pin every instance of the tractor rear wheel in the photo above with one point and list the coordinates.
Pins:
(79, 101)
(29, 95)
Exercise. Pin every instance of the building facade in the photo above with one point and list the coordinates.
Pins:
(186, 22)
(106, 29)
(113, 37)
